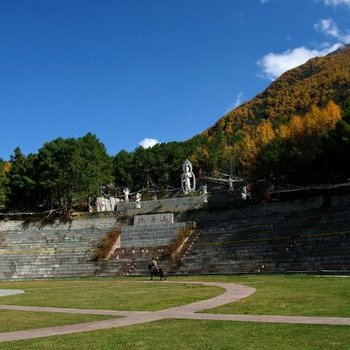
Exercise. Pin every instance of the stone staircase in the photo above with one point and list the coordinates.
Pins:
(135, 260)
(242, 238)
(323, 246)
(58, 250)
(276, 237)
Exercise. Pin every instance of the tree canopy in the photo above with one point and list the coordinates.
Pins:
(63, 172)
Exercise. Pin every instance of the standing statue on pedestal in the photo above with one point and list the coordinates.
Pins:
(100, 204)
(188, 180)
(126, 194)
(204, 193)
(246, 193)
(138, 200)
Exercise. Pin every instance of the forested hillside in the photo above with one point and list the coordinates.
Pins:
(314, 83)
(295, 132)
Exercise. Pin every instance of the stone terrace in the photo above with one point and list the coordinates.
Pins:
(274, 237)
(51, 251)
(231, 237)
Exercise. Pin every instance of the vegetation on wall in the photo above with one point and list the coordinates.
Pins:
(106, 246)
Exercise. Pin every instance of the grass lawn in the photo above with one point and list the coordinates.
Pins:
(297, 295)
(276, 294)
(108, 294)
(186, 334)
(22, 320)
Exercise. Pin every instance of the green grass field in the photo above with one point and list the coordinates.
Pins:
(193, 335)
(280, 295)
(23, 320)
(107, 294)
(297, 295)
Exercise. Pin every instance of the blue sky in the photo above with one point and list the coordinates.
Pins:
(156, 70)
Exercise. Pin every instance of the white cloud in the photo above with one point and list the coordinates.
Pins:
(274, 64)
(336, 2)
(147, 142)
(262, 2)
(329, 27)
(237, 102)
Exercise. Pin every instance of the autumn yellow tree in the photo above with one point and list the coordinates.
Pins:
(317, 122)
(247, 149)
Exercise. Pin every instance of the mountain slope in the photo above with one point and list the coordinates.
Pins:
(316, 82)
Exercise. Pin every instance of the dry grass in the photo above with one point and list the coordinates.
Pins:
(106, 245)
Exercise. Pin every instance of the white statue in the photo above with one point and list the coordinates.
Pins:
(245, 193)
(230, 181)
(91, 209)
(113, 202)
(188, 180)
(204, 193)
(126, 194)
(138, 200)
(100, 204)
(106, 204)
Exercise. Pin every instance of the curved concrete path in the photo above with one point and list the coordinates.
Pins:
(232, 293)
(6, 292)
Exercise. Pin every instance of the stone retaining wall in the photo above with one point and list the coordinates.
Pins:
(150, 235)
(57, 250)
(165, 205)
(98, 224)
(225, 223)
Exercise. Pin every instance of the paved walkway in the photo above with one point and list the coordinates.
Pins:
(232, 292)
(6, 292)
